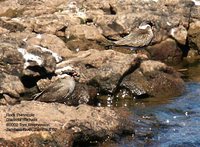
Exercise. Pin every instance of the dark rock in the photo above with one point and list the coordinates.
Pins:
(166, 51)
(103, 69)
(82, 94)
(194, 35)
(153, 78)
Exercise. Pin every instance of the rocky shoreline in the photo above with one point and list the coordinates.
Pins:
(57, 58)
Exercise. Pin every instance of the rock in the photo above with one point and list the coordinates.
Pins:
(11, 59)
(11, 86)
(38, 61)
(179, 34)
(154, 78)
(103, 69)
(3, 31)
(110, 71)
(167, 51)
(194, 37)
(50, 42)
(78, 124)
(89, 34)
(83, 94)
(11, 26)
(192, 56)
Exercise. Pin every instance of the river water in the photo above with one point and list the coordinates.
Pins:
(169, 122)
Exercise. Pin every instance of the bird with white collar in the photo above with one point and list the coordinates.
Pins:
(138, 38)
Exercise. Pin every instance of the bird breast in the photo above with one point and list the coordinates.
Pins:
(138, 38)
(58, 91)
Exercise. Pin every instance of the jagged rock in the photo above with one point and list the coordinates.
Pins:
(110, 70)
(51, 42)
(194, 35)
(82, 123)
(10, 87)
(10, 59)
(103, 69)
(179, 34)
(11, 26)
(154, 78)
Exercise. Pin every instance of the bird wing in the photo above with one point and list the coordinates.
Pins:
(138, 38)
(56, 91)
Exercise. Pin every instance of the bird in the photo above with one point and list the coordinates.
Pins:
(60, 88)
(138, 38)
(57, 91)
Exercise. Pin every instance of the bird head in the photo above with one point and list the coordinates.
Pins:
(146, 25)
(68, 70)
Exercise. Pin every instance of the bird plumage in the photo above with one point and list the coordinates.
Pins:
(57, 91)
(138, 38)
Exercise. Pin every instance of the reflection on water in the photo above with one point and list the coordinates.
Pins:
(176, 123)
(172, 123)
(192, 70)
(164, 122)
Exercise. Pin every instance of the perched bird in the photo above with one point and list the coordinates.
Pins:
(60, 88)
(138, 38)
(58, 91)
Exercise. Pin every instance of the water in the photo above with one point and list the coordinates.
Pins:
(173, 124)
(164, 122)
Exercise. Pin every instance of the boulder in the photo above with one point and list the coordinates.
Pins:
(10, 88)
(102, 69)
(167, 51)
(109, 71)
(194, 35)
(73, 124)
(155, 79)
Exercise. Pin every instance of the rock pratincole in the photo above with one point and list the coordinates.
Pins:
(60, 88)
(138, 38)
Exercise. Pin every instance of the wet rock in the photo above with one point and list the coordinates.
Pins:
(154, 78)
(167, 51)
(82, 123)
(83, 94)
(192, 56)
